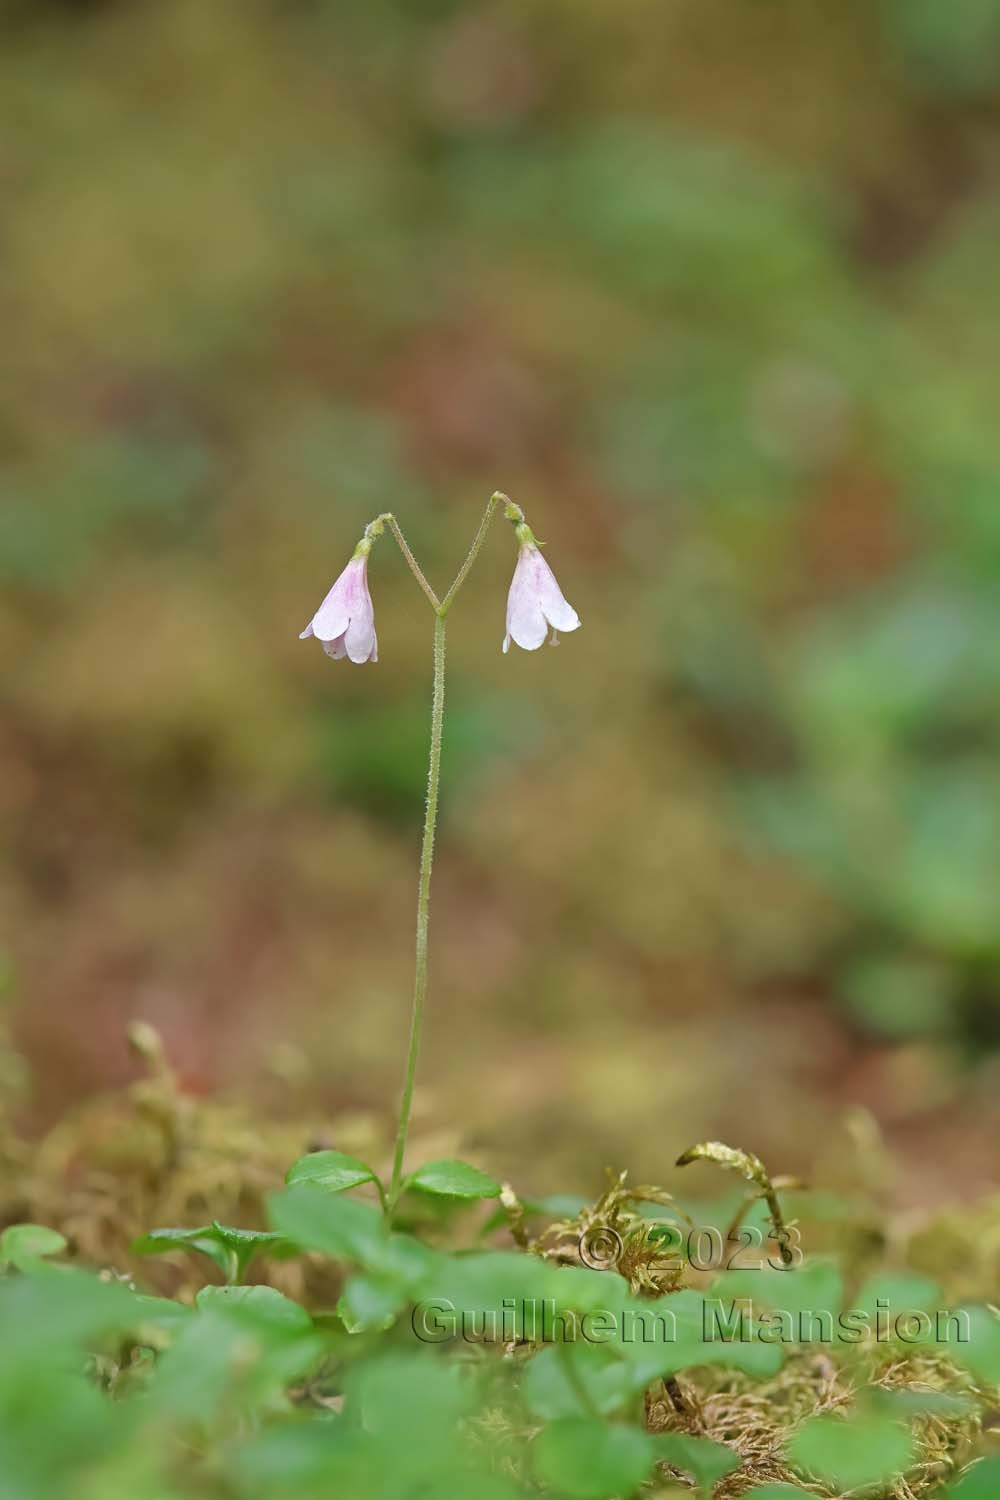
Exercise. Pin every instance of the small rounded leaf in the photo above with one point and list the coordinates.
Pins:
(590, 1460)
(259, 1304)
(22, 1244)
(852, 1453)
(904, 1403)
(979, 1349)
(980, 1482)
(370, 1302)
(330, 1169)
(454, 1179)
(705, 1460)
(344, 1228)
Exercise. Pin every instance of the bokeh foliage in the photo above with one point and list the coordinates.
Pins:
(709, 285)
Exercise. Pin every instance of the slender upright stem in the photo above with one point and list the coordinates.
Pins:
(423, 907)
(440, 607)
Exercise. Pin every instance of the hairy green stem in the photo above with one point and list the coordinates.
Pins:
(495, 499)
(388, 519)
(423, 907)
(414, 565)
(515, 514)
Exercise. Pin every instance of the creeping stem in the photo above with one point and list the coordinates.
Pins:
(423, 908)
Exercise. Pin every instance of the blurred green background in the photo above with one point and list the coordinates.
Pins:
(710, 287)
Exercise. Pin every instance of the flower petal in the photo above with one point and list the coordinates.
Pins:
(360, 638)
(528, 627)
(331, 619)
(334, 614)
(345, 621)
(558, 611)
(535, 601)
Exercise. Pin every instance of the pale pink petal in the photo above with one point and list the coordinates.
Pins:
(558, 611)
(525, 620)
(331, 619)
(535, 602)
(345, 621)
(334, 614)
(360, 637)
(527, 626)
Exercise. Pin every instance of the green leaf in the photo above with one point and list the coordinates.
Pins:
(159, 1241)
(907, 1402)
(243, 1244)
(980, 1353)
(591, 1461)
(704, 1460)
(404, 1399)
(576, 1381)
(238, 1346)
(754, 1358)
(229, 1248)
(59, 1307)
(330, 1169)
(904, 1291)
(624, 1344)
(396, 1265)
(503, 1293)
(258, 1304)
(24, 1244)
(242, 1239)
(453, 1179)
(156, 1241)
(341, 1227)
(852, 1453)
(693, 1338)
(814, 1288)
(370, 1302)
(980, 1482)
(159, 1314)
(56, 1428)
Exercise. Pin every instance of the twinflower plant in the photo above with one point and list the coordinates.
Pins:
(344, 625)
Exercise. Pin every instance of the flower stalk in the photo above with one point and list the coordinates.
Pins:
(345, 626)
(423, 907)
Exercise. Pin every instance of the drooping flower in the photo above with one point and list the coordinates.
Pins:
(344, 624)
(535, 601)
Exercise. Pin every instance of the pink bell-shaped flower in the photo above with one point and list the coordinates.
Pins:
(535, 601)
(344, 624)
